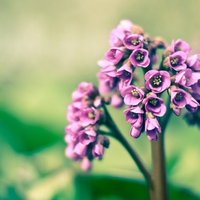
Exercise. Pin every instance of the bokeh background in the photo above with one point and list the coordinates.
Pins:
(46, 49)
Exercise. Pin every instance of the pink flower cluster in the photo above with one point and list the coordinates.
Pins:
(82, 133)
(178, 74)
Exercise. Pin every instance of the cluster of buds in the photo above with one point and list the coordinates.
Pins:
(178, 74)
(82, 133)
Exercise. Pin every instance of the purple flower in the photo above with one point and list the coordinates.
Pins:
(73, 112)
(177, 61)
(87, 136)
(180, 45)
(80, 149)
(154, 105)
(181, 99)
(89, 116)
(86, 164)
(194, 62)
(107, 68)
(135, 132)
(139, 58)
(192, 105)
(69, 152)
(133, 41)
(152, 128)
(187, 77)
(125, 74)
(125, 25)
(116, 37)
(114, 55)
(134, 116)
(106, 83)
(196, 90)
(132, 95)
(98, 150)
(116, 101)
(157, 81)
(72, 132)
(84, 89)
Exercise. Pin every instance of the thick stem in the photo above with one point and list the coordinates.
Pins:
(158, 159)
(117, 134)
(159, 170)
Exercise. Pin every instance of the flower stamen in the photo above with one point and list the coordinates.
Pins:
(156, 81)
(139, 56)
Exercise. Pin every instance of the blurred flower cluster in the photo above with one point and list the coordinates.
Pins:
(82, 134)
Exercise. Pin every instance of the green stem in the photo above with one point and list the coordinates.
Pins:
(118, 135)
(158, 159)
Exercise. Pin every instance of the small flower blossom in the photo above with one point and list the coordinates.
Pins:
(187, 78)
(86, 164)
(154, 105)
(194, 62)
(98, 150)
(87, 136)
(196, 90)
(177, 61)
(132, 95)
(135, 132)
(180, 45)
(116, 101)
(106, 83)
(84, 89)
(89, 116)
(134, 116)
(114, 55)
(125, 75)
(152, 128)
(179, 98)
(133, 41)
(139, 58)
(80, 149)
(157, 81)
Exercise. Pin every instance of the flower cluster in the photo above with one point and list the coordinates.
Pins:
(82, 134)
(174, 82)
(178, 74)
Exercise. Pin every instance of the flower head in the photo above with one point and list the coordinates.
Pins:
(157, 81)
(154, 105)
(152, 128)
(177, 61)
(133, 41)
(194, 62)
(114, 55)
(132, 95)
(139, 58)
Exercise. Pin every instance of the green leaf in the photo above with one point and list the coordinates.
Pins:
(96, 187)
(25, 137)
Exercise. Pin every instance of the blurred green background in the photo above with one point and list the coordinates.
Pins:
(46, 49)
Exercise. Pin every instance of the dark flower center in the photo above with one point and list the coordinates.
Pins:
(156, 81)
(139, 56)
(179, 96)
(134, 115)
(153, 102)
(174, 61)
(135, 93)
(135, 42)
(127, 74)
(86, 136)
(91, 115)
